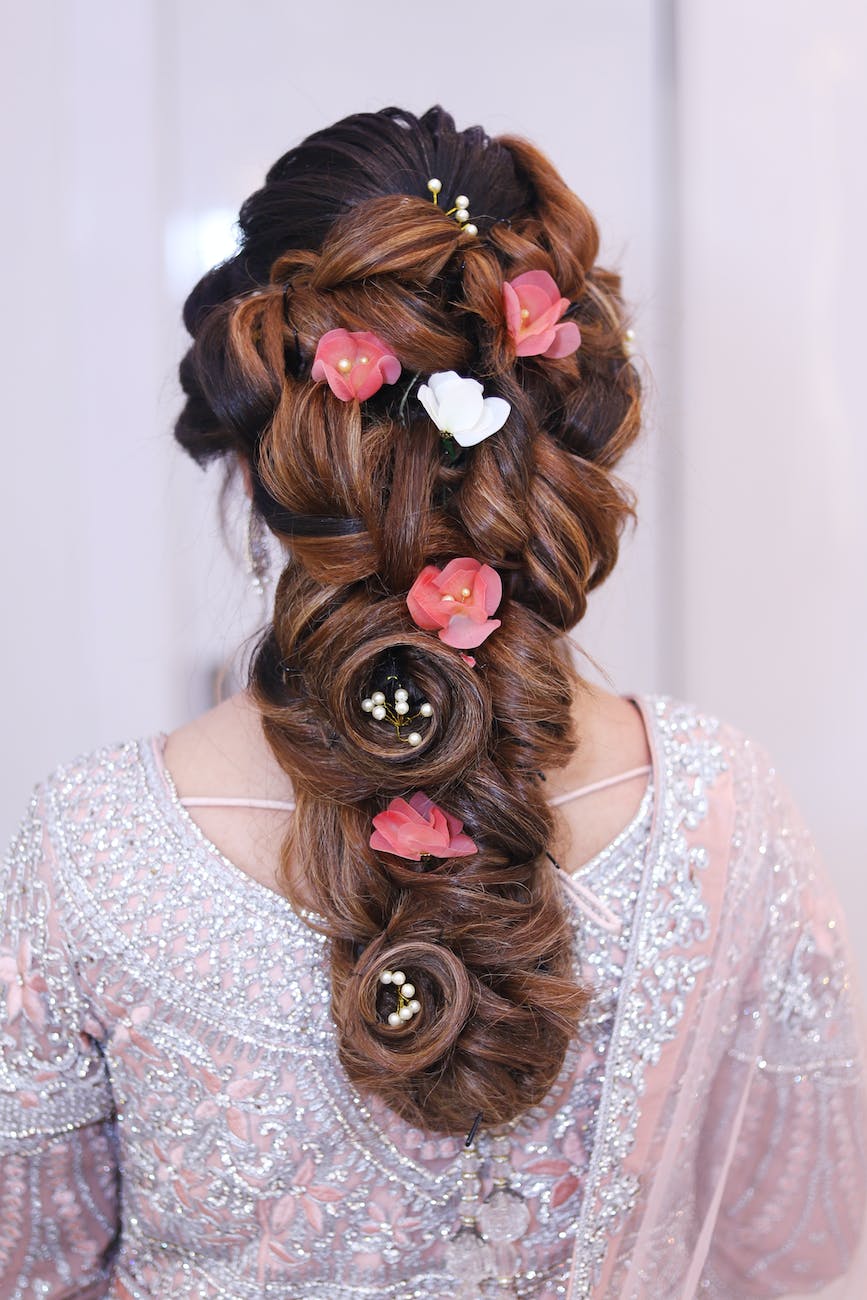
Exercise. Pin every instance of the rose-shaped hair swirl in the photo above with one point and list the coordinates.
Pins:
(343, 236)
(443, 987)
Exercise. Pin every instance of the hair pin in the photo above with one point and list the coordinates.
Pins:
(461, 209)
(397, 711)
(408, 1004)
(473, 1131)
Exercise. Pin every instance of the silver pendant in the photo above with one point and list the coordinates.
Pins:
(504, 1216)
(468, 1258)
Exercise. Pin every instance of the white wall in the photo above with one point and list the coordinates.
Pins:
(772, 113)
(719, 146)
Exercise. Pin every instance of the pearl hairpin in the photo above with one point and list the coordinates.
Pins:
(408, 1004)
(461, 209)
(397, 712)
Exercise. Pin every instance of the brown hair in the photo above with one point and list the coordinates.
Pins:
(344, 234)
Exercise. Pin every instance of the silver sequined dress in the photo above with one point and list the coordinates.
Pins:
(174, 1120)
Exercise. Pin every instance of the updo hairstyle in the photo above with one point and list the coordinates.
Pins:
(344, 234)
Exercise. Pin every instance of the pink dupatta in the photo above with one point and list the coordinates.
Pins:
(729, 1154)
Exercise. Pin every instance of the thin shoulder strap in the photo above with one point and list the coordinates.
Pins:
(202, 801)
(278, 805)
(600, 785)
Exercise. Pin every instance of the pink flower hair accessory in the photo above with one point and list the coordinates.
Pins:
(533, 307)
(417, 827)
(457, 602)
(354, 364)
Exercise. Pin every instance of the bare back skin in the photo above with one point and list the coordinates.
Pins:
(223, 753)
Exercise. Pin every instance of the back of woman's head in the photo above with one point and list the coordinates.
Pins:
(344, 235)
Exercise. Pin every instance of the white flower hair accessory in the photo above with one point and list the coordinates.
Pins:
(459, 408)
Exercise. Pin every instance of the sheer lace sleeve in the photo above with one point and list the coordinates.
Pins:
(792, 1204)
(58, 1169)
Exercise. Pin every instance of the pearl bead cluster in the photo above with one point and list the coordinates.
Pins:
(408, 1004)
(461, 210)
(398, 713)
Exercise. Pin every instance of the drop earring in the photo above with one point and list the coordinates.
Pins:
(257, 555)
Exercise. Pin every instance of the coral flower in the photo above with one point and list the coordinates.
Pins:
(457, 601)
(533, 308)
(354, 364)
(410, 828)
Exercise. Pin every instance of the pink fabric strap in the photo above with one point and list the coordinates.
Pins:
(277, 805)
(202, 801)
(601, 785)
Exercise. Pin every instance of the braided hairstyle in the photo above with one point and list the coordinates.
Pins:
(344, 234)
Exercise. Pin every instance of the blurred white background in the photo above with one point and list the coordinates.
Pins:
(721, 148)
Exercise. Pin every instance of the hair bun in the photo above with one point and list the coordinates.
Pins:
(362, 1002)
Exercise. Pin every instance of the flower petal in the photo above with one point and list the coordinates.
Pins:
(459, 573)
(512, 306)
(423, 600)
(535, 345)
(492, 588)
(462, 846)
(544, 310)
(366, 380)
(339, 386)
(440, 380)
(390, 368)
(538, 280)
(460, 402)
(383, 844)
(466, 633)
(421, 802)
(360, 380)
(567, 339)
(495, 412)
(427, 397)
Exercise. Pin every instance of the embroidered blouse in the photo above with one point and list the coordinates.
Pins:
(174, 1120)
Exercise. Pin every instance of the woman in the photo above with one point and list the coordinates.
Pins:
(421, 967)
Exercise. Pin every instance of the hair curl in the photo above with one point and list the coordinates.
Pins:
(343, 234)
